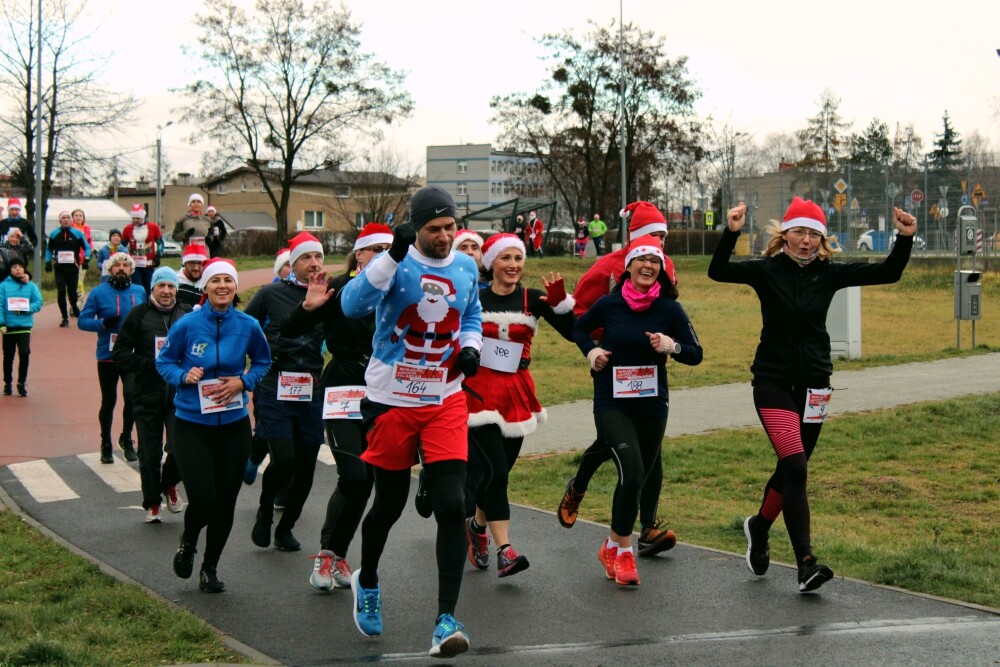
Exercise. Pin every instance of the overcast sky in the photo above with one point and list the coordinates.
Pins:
(761, 65)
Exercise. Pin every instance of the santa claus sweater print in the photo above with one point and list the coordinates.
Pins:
(426, 310)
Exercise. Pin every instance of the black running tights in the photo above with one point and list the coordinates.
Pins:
(108, 375)
(634, 443)
(354, 485)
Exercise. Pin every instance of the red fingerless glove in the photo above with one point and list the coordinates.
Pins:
(555, 293)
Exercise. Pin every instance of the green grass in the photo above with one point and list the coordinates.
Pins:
(907, 497)
(56, 608)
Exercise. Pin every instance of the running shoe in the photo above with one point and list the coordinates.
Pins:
(322, 574)
(510, 562)
(625, 573)
(153, 514)
(174, 502)
(812, 575)
(8, 390)
(652, 540)
(607, 555)
(106, 455)
(422, 501)
(22, 391)
(128, 447)
(286, 541)
(479, 545)
(448, 640)
(184, 559)
(758, 552)
(279, 501)
(261, 533)
(208, 580)
(569, 506)
(367, 607)
(341, 572)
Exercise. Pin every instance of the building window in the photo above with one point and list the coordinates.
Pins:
(314, 220)
(220, 189)
(342, 191)
(463, 167)
(463, 189)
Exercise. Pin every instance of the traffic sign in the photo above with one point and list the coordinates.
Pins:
(965, 200)
(839, 202)
(855, 204)
(709, 218)
(917, 196)
(977, 194)
(840, 185)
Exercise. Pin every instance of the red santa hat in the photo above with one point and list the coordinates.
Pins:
(138, 211)
(447, 287)
(465, 235)
(496, 244)
(217, 266)
(644, 245)
(194, 253)
(373, 233)
(644, 218)
(302, 243)
(280, 260)
(13, 202)
(804, 213)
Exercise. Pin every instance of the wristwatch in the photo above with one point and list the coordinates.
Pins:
(677, 348)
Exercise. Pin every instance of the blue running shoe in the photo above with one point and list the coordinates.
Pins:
(367, 607)
(250, 472)
(449, 640)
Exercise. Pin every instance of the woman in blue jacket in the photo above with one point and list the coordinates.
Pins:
(20, 299)
(205, 359)
(643, 325)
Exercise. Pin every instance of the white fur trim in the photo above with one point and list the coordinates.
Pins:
(803, 222)
(504, 320)
(508, 429)
(498, 247)
(280, 261)
(304, 247)
(638, 251)
(195, 197)
(372, 239)
(194, 257)
(648, 229)
(216, 268)
(465, 234)
(564, 306)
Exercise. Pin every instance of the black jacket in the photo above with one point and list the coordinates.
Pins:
(794, 344)
(135, 352)
(21, 223)
(270, 306)
(348, 340)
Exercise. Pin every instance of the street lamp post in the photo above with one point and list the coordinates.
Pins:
(159, 178)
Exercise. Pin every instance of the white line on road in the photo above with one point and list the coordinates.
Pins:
(119, 476)
(42, 482)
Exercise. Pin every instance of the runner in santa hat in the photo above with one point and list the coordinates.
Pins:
(503, 407)
(142, 239)
(349, 341)
(281, 266)
(607, 273)
(189, 277)
(795, 282)
(643, 325)
(289, 399)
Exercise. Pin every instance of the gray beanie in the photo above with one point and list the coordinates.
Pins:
(428, 203)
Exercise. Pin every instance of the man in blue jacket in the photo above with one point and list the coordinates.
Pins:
(20, 299)
(107, 306)
(64, 246)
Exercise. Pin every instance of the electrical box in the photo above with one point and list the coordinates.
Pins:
(843, 323)
(968, 295)
(967, 228)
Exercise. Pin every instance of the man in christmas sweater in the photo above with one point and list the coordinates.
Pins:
(427, 339)
(143, 241)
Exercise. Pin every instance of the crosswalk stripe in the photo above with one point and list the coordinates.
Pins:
(121, 478)
(41, 481)
(326, 456)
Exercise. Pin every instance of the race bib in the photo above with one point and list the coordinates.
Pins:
(111, 341)
(343, 402)
(65, 257)
(196, 240)
(295, 386)
(17, 304)
(817, 401)
(140, 261)
(208, 404)
(501, 355)
(634, 381)
(423, 385)
(158, 343)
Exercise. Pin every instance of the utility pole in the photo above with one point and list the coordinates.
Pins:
(159, 177)
(621, 96)
(39, 213)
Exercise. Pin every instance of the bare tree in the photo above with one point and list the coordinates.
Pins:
(821, 140)
(779, 147)
(284, 84)
(729, 156)
(379, 190)
(76, 107)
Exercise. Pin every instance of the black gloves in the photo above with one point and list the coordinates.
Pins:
(402, 238)
(48, 267)
(156, 260)
(111, 322)
(86, 264)
(468, 361)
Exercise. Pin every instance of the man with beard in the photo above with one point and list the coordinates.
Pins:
(289, 398)
(143, 242)
(106, 306)
(189, 276)
(143, 334)
(414, 398)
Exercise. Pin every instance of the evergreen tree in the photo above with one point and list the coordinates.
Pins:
(871, 148)
(947, 154)
(820, 142)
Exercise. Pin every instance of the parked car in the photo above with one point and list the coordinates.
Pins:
(100, 238)
(875, 240)
(172, 249)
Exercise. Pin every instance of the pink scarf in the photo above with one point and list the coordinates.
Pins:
(635, 299)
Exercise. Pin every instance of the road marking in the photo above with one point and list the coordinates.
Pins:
(326, 456)
(42, 482)
(120, 476)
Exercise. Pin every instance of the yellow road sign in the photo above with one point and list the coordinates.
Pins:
(839, 202)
